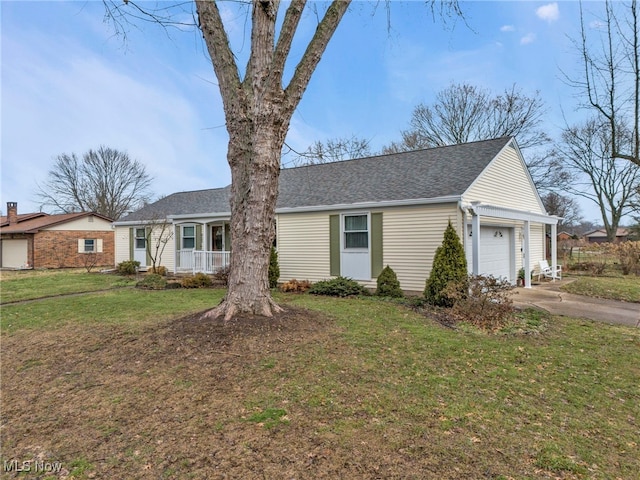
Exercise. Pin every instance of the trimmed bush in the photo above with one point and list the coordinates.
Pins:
(449, 267)
(152, 281)
(338, 287)
(388, 284)
(199, 280)
(274, 269)
(128, 267)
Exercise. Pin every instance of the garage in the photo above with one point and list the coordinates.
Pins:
(14, 253)
(496, 252)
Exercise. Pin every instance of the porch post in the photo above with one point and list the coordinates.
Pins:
(527, 255)
(554, 249)
(475, 242)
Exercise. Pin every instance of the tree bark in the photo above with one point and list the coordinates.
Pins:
(258, 111)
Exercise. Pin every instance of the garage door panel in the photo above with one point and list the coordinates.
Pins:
(495, 251)
(14, 253)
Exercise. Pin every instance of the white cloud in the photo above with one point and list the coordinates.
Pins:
(63, 98)
(549, 13)
(528, 39)
(507, 28)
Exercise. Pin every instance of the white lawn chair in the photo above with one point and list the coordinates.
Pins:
(548, 272)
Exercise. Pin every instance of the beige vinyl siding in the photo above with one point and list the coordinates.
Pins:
(168, 257)
(303, 246)
(536, 231)
(411, 236)
(84, 224)
(122, 244)
(505, 182)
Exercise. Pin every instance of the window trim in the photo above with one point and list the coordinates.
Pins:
(182, 236)
(136, 238)
(82, 245)
(343, 232)
(94, 246)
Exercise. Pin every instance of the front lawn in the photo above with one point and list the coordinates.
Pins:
(27, 285)
(625, 288)
(124, 385)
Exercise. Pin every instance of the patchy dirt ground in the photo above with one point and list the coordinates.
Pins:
(207, 400)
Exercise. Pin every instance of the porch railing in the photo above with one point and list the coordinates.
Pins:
(195, 261)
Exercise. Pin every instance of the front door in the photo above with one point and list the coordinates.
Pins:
(217, 238)
(140, 246)
(355, 255)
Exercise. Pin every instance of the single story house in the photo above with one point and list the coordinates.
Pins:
(354, 217)
(40, 240)
(600, 235)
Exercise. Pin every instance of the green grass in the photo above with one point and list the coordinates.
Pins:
(129, 307)
(566, 398)
(617, 288)
(567, 394)
(17, 286)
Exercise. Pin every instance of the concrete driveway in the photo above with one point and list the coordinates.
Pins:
(549, 297)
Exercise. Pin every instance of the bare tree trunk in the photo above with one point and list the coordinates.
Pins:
(254, 156)
(258, 110)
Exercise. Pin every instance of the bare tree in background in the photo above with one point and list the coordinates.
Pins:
(463, 113)
(609, 79)
(585, 151)
(258, 101)
(562, 206)
(332, 150)
(104, 181)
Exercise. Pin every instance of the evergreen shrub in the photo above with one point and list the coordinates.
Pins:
(388, 284)
(338, 287)
(152, 281)
(274, 269)
(449, 267)
(128, 267)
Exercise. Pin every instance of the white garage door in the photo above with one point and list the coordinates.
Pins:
(14, 253)
(495, 252)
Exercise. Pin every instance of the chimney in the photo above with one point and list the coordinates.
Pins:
(12, 212)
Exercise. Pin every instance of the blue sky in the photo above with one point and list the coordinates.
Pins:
(70, 84)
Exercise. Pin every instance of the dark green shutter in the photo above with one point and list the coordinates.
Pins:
(334, 245)
(132, 233)
(147, 235)
(376, 244)
(198, 237)
(178, 238)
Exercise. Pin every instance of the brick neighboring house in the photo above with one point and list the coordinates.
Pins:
(40, 240)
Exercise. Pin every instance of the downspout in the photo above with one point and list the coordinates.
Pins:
(466, 209)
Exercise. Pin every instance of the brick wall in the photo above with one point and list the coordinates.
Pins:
(59, 249)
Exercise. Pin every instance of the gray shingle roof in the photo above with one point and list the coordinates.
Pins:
(420, 174)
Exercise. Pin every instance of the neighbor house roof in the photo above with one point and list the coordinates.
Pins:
(601, 232)
(421, 174)
(28, 223)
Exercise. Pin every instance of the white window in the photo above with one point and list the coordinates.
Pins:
(356, 231)
(89, 245)
(188, 237)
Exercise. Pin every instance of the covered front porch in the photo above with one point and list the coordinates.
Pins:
(202, 246)
(205, 261)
